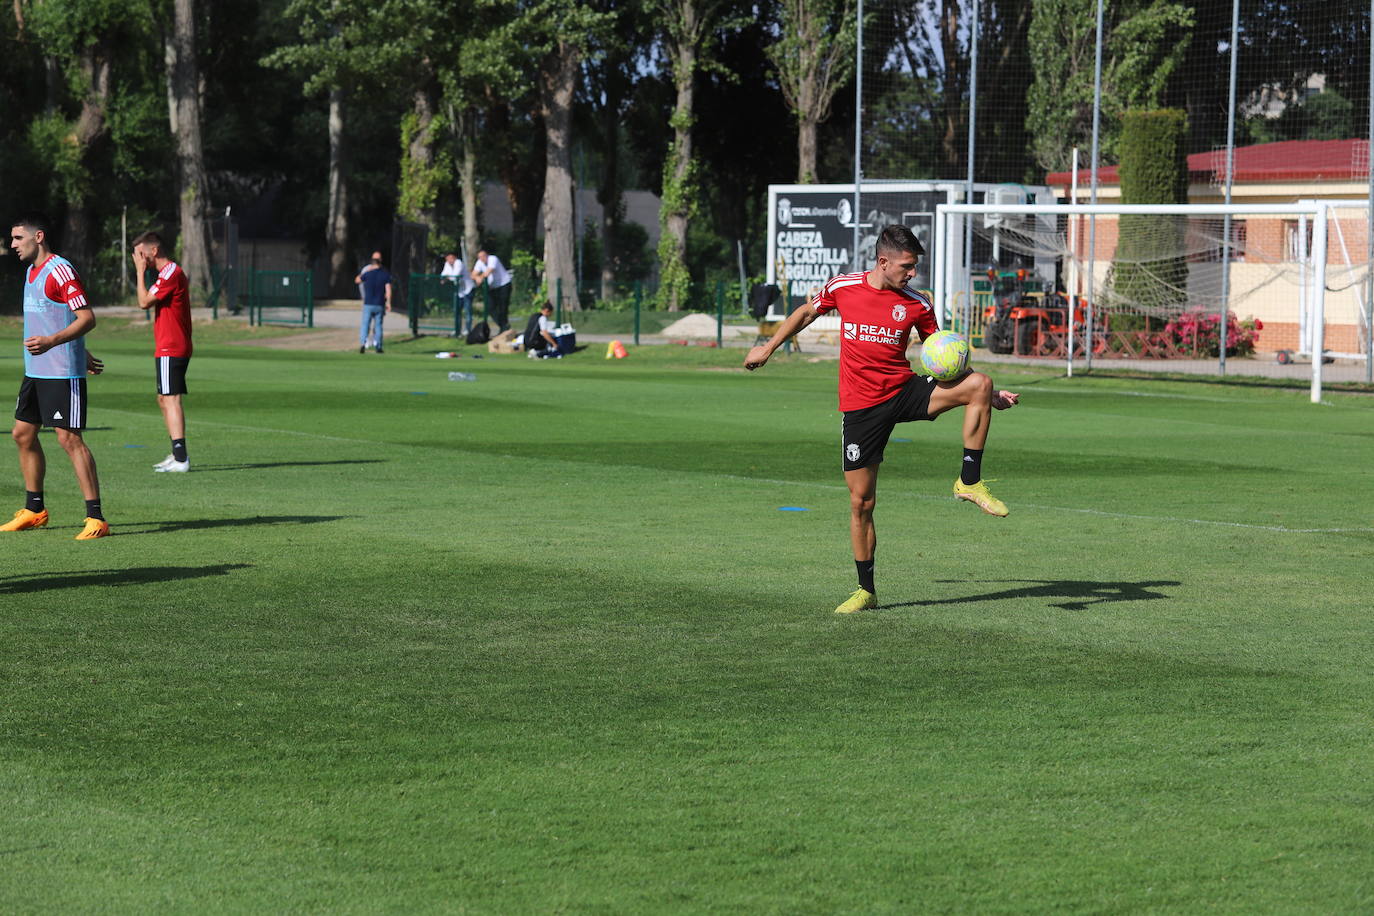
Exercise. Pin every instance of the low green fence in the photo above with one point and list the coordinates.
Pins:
(435, 306)
(281, 297)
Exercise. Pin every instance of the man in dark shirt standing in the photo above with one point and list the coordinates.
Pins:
(375, 283)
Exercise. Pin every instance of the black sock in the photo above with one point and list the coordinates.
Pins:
(179, 449)
(972, 471)
(33, 501)
(93, 509)
(865, 568)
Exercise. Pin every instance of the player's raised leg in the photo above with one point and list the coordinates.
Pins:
(33, 466)
(975, 393)
(83, 462)
(863, 536)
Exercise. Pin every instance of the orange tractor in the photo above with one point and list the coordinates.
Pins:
(1029, 322)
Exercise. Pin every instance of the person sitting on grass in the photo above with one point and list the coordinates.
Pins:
(539, 339)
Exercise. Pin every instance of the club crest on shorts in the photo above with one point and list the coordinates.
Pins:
(851, 451)
(898, 312)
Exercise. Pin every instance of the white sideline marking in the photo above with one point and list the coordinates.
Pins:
(813, 485)
(1098, 512)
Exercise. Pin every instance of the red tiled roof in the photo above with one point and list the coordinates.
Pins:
(1287, 161)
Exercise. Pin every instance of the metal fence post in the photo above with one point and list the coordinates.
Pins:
(639, 296)
(310, 299)
(720, 312)
(412, 312)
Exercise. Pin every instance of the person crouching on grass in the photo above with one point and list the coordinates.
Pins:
(170, 299)
(878, 388)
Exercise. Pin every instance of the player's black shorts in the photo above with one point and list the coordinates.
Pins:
(56, 402)
(171, 374)
(866, 430)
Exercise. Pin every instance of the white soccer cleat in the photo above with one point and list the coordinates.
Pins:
(162, 465)
(172, 466)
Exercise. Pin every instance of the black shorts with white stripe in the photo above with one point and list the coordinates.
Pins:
(171, 374)
(55, 402)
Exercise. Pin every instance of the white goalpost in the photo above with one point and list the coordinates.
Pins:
(1162, 281)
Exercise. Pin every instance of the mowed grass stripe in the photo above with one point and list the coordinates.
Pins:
(566, 665)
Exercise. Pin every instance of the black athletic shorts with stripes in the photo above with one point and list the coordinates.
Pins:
(53, 402)
(171, 374)
(866, 430)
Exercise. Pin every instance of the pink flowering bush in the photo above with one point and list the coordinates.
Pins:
(1197, 330)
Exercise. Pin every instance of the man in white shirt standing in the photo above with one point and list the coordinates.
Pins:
(455, 271)
(491, 271)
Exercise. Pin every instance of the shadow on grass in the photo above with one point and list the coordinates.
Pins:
(1080, 593)
(254, 466)
(194, 524)
(142, 575)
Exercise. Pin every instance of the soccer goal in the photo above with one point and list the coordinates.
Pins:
(1157, 284)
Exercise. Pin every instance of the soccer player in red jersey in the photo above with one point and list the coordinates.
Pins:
(878, 388)
(170, 298)
(56, 320)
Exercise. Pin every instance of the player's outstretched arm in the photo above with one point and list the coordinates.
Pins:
(793, 323)
(1001, 400)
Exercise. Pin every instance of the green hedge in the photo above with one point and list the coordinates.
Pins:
(1150, 271)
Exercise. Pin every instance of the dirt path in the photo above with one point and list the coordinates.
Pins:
(328, 339)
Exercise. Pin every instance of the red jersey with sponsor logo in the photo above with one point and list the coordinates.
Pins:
(875, 328)
(172, 321)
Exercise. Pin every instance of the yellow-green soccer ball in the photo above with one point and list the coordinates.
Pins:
(944, 356)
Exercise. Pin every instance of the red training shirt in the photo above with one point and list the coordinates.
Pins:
(172, 318)
(63, 285)
(875, 328)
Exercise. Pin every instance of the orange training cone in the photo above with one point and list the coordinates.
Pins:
(618, 349)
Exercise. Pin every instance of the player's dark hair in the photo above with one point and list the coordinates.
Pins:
(898, 239)
(153, 239)
(546, 305)
(34, 222)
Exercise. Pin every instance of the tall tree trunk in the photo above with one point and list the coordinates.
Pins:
(467, 177)
(419, 190)
(558, 80)
(678, 191)
(183, 92)
(806, 151)
(336, 229)
(91, 127)
(950, 147)
(609, 194)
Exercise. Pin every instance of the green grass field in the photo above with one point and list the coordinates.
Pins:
(544, 642)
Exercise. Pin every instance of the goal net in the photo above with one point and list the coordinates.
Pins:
(1151, 283)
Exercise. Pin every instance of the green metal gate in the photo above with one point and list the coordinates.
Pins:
(432, 302)
(281, 297)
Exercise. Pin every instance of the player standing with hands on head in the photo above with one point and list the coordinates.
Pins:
(878, 388)
(170, 298)
(53, 393)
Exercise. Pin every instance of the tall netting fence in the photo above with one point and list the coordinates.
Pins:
(1008, 101)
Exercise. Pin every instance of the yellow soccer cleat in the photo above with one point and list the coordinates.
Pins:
(95, 528)
(977, 493)
(24, 519)
(861, 600)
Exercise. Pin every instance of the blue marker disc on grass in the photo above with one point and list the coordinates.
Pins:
(792, 508)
